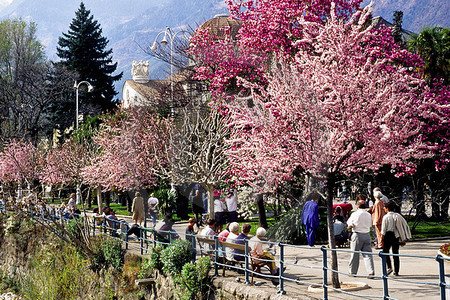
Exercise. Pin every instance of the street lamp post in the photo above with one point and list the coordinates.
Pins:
(90, 89)
(169, 36)
(76, 86)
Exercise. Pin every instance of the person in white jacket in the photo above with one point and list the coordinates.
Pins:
(394, 232)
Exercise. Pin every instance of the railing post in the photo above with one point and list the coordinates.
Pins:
(141, 238)
(442, 284)
(194, 248)
(325, 273)
(154, 238)
(126, 237)
(93, 228)
(385, 277)
(247, 281)
(216, 255)
(114, 224)
(281, 288)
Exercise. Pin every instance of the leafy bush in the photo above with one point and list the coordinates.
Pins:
(155, 258)
(289, 228)
(12, 225)
(175, 256)
(146, 268)
(194, 279)
(75, 228)
(108, 253)
(167, 201)
(8, 283)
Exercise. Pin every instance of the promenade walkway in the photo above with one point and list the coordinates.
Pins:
(305, 264)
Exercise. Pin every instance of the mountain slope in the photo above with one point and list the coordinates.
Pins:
(132, 24)
(417, 14)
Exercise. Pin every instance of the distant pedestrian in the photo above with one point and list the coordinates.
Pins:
(137, 208)
(310, 218)
(219, 212)
(377, 211)
(231, 201)
(394, 230)
(153, 208)
(197, 207)
(360, 222)
(384, 199)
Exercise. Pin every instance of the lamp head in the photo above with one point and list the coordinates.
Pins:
(90, 88)
(164, 41)
(153, 47)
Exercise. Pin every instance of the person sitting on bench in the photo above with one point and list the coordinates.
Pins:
(258, 251)
(239, 255)
(234, 232)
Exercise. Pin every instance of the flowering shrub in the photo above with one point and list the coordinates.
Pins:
(445, 249)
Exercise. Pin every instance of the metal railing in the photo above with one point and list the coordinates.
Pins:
(148, 238)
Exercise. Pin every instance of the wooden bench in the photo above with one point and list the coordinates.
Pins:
(255, 266)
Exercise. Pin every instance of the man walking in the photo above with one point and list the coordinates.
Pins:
(360, 222)
(393, 228)
(310, 218)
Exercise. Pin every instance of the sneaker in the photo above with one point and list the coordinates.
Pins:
(396, 274)
(389, 271)
(371, 276)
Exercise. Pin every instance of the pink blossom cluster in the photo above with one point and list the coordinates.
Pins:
(20, 161)
(63, 164)
(130, 142)
(335, 108)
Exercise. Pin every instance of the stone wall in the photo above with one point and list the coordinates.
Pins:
(224, 288)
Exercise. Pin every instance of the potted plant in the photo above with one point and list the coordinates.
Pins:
(445, 250)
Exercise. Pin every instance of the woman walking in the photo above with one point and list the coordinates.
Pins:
(138, 209)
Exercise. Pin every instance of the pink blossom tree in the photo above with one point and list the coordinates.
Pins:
(20, 161)
(130, 142)
(268, 28)
(333, 109)
(64, 163)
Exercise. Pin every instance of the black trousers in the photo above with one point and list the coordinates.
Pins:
(391, 241)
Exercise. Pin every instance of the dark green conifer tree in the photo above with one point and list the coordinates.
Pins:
(83, 49)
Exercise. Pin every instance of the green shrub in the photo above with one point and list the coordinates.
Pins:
(289, 228)
(146, 268)
(8, 283)
(175, 256)
(108, 253)
(155, 258)
(194, 279)
(167, 201)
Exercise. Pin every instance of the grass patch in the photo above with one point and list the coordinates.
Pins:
(430, 229)
(255, 224)
(118, 208)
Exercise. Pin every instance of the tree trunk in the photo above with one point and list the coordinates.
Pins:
(210, 190)
(261, 210)
(99, 200)
(88, 198)
(108, 198)
(331, 179)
